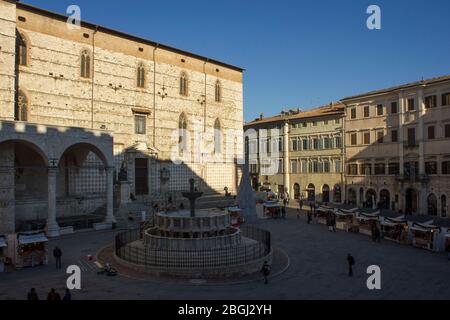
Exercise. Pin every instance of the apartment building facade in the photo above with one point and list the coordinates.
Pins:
(397, 148)
(299, 152)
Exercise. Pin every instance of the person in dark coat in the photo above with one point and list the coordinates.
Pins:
(351, 263)
(309, 214)
(57, 254)
(32, 295)
(266, 272)
(53, 295)
(67, 295)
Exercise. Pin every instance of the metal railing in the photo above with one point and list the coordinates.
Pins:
(258, 247)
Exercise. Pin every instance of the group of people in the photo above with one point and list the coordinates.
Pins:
(53, 295)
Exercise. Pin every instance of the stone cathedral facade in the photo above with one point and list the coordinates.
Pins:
(78, 106)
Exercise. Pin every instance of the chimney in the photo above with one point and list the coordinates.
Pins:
(261, 116)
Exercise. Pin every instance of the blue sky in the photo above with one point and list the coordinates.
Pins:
(296, 53)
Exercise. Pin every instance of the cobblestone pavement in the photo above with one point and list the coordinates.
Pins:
(317, 270)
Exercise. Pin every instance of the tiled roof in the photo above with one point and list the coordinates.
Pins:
(327, 110)
(404, 86)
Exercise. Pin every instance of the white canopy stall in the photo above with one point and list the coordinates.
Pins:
(425, 236)
(365, 222)
(395, 229)
(31, 250)
(344, 218)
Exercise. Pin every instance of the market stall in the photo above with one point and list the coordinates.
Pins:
(272, 209)
(425, 236)
(31, 250)
(344, 219)
(323, 213)
(395, 229)
(364, 223)
(3, 245)
(236, 216)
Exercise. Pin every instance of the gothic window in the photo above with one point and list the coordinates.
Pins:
(218, 91)
(85, 64)
(22, 48)
(141, 76)
(21, 109)
(183, 84)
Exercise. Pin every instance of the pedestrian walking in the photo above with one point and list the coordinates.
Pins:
(309, 214)
(284, 209)
(351, 263)
(57, 254)
(32, 295)
(67, 295)
(266, 272)
(333, 222)
(53, 295)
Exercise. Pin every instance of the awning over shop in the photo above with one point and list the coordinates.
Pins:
(28, 238)
(369, 216)
(424, 228)
(394, 221)
(3, 243)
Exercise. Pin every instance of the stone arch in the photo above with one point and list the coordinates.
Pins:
(337, 193)
(444, 205)
(36, 147)
(90, 147)
(297, 191)
(385, 199)
(311, 192)
(371, 198)
(352, 196)
(326, 193)
(432, 205)
(411, 201)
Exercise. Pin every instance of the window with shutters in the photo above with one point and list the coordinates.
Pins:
(430, 102)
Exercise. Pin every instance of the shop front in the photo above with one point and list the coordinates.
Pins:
(344, 219)
(31, 250)
(272, 209)
(425, 236)
(3, 245)
(365, 223)
(323, 214)
(395, 229)
(236, 216)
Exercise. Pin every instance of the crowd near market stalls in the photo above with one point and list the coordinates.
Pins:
(418, 230)
(3, 245)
